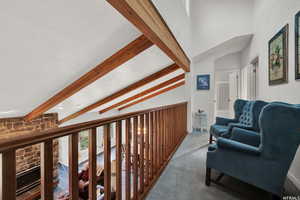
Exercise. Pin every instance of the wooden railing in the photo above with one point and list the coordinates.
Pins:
(151, 138)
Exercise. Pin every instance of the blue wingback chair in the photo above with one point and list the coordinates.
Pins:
(265, 166)
(221, 125)
(245, 125)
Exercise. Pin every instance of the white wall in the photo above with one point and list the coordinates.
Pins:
(216, 21)
(216, 67)
(174, 96)
(176, 14)
(203, 99)
(269, 17)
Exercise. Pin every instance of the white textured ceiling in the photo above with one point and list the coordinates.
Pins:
(46, 45)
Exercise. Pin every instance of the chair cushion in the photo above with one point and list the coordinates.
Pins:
(218, 130)
(247, 116)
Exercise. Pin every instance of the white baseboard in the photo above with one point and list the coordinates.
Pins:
(295, 181)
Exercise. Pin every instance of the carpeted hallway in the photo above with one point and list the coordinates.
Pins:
(184, 177)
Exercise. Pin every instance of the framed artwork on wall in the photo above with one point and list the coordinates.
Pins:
(278, 57)
(297, 45)
(203, 82)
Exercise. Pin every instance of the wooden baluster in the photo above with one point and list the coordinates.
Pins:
(160, 138)
(8, 175)
(128, 160)
(156, 124)
(164, 135)
(107, 164)
(169, 130)
(147, 150)
(142, 149)
(185, 121)
(168, 133)
(92, 163)
(173, 127)
(73, 166)
(119, 160)
(135, 158)
(151, 144)
(47, 170)
(154, 143)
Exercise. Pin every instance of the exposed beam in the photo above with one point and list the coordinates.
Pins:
(111, 63)
(144, 15)
(123, 91)
(145, 92)
(153, 95)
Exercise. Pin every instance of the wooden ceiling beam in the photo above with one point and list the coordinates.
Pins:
(144, 15)
(153, 95)
(145, 92)
(123, 91)
(129, 51)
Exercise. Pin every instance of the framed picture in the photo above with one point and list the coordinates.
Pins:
(278, 57)
(203, 82)
(297, 47)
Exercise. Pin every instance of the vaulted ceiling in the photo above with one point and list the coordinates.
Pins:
(46, 45)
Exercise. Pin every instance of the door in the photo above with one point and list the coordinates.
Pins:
(254, 79)
(233, 90)
(222, 99)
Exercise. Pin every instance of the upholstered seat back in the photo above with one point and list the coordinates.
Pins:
(238, 108)
(246, 117)
(280, 129)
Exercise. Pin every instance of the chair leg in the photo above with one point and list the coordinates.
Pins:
(210, 138)
(220, 177)
(208, 174)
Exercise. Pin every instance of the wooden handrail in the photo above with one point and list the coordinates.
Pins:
(151, 138)
(25, 139)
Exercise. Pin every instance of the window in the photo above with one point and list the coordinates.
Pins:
(84, 142)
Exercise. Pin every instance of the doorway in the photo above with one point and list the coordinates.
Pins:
(227, 91)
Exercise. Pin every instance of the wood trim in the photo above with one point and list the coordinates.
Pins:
(141, 153)
(111, 63)
(147, 19)
(135, 158)
(47, 170)
(8, 175)
(128, 160)
(107, 162)
(147, 163)
(145, 92)
(25, 139)
(160, 171)
(123, 91)
(119, 160)
(73, 166)
(151, 145)
(92, 163)
(153, 95)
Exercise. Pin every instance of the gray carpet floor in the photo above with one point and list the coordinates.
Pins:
(184, 177)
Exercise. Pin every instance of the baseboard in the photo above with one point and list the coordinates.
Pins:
(292, 185)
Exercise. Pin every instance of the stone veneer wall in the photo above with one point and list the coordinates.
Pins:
(29, 157)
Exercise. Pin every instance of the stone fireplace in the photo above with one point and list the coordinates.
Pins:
(28, 158)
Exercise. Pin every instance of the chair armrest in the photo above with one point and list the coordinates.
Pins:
(246, 136)
(224, 121)
(224, 143)
(231, 126)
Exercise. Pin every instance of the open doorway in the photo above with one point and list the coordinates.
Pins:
(227, 91)
(249, 80)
